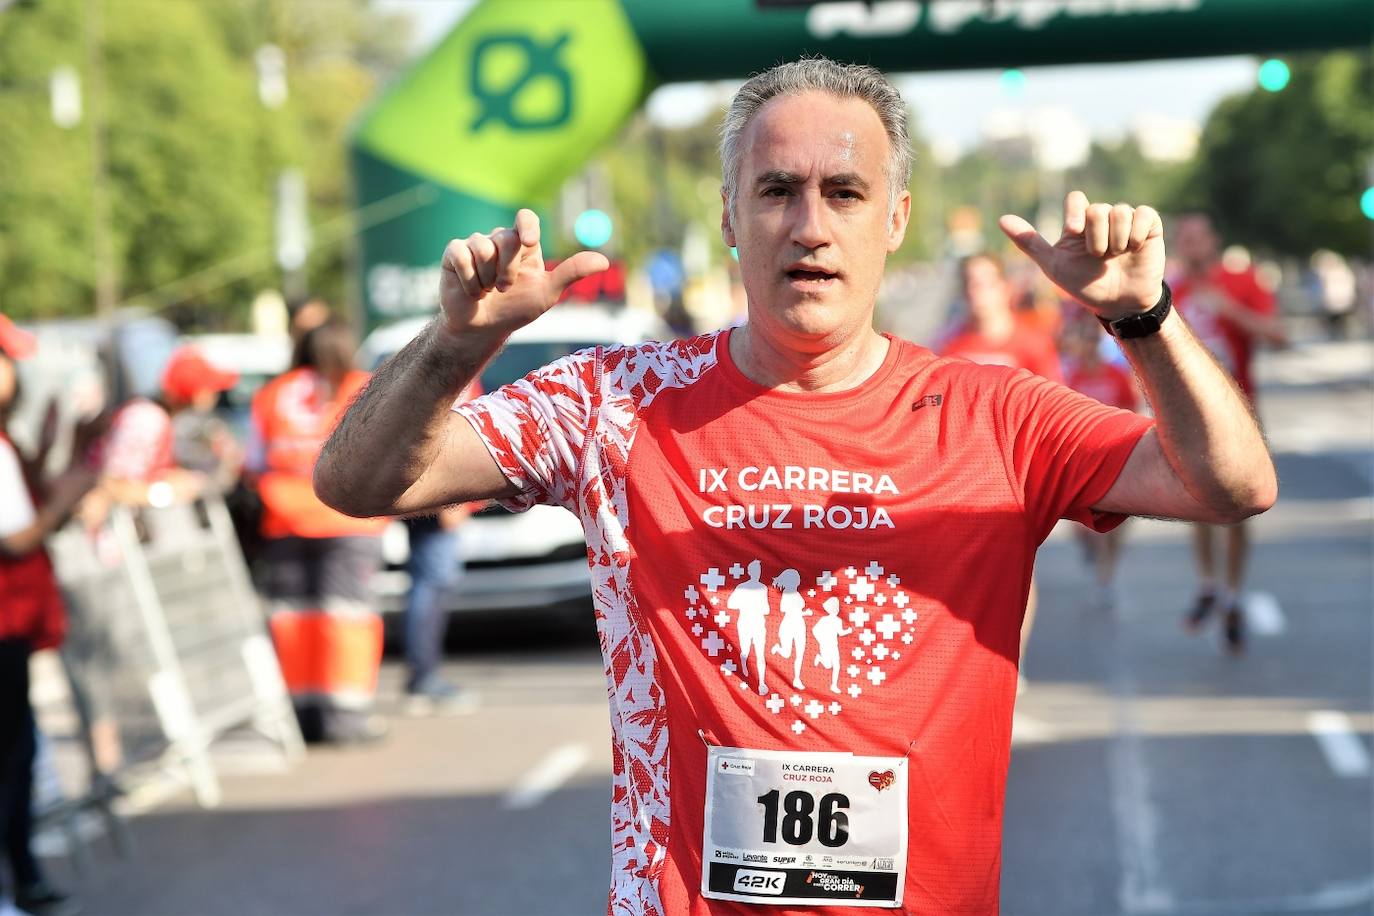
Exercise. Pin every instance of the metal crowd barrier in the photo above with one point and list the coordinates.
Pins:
(168, 642)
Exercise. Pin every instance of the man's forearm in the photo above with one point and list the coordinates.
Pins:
(1205, 425)
(393, 430)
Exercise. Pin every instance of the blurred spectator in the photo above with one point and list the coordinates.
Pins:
(32, 617)
(1229, 310)
(1335, 283)
(995, 332)
(1088, 373)
(316, 566)
(138, 459)
(304, 315)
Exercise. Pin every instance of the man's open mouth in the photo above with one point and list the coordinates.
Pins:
(811, 274)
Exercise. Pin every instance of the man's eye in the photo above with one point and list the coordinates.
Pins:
(775, 192)
(846, 194)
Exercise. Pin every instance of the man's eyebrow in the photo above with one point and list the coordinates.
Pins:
(840, 180)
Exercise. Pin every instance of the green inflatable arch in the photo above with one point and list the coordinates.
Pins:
(522, 92)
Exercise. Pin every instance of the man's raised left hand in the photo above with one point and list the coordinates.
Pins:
(1110, 258)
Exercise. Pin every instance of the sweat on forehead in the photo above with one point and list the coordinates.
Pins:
(806, 133)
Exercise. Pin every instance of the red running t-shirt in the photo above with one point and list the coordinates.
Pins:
(1230, 344)
(918, 499)
(1107, 383)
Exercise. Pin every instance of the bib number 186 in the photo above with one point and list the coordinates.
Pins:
(830, 826)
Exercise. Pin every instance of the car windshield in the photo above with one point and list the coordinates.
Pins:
(520, 358)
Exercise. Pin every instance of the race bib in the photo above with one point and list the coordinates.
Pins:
(803, 828)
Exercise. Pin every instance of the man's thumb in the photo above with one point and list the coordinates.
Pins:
(582, 264)
(1026, 238)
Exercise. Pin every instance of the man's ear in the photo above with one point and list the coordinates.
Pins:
(727, 231)
(901, 215)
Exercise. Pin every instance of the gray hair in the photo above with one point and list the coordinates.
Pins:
(818, 74)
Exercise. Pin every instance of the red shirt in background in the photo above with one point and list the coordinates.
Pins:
(1107, 383)
(1029, 347)
(1233, 346)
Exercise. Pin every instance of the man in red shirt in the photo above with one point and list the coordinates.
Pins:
(899, 496)
(1229, 311)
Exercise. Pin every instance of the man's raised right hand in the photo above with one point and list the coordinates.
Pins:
(493, 284)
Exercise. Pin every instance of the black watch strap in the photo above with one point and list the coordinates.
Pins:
(1144, 324)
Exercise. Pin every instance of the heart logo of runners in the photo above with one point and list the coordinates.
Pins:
(830, 644)
(881, 780)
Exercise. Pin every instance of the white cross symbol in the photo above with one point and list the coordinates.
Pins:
(858, 652)
(896, 655)
(728, 667)
(691, 613)
(873, 569)
(799, 726)
(834, 708)
(851, 572)
(876, 676)
(775, 704)
(880, 651)
(713, 644)
(880, 599)
(854, 690)
(796, 700)
(713, 579)
(901, 600)
(696, 629)
(827, 581)
(893, 581)
(858, 617)
(867, 637)
(814, 709)
(861, 588)
(906, 638)
(852, 671)
(691, 594)
(909, 615)
(810, 593)
(888, 626)
(736, 571)
(743, 685)
(722, 618)
(848, 599)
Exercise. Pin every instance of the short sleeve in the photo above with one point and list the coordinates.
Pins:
(536, 429)
(1065, 451)
(16, 509)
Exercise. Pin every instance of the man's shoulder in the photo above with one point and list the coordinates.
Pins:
(659, 362)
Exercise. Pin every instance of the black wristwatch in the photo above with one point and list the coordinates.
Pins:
(1143, 324)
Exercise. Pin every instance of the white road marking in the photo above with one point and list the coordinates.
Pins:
(1342, 747)
(547, 776)
(1264, 615)
(1028, 730)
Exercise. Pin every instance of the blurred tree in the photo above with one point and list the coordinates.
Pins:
(1283, 171)
(192, 152)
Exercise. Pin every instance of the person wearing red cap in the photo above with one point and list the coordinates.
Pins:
(32, 617)
(138, 460)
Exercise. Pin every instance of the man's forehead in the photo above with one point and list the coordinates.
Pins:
(799, 133)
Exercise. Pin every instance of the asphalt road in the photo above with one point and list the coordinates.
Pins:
(1151, 773)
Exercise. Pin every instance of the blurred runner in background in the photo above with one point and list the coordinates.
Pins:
(32, 617)
(997, 334)
(1230, 311)
(317, 565)
(138, 459)
(1088, 373)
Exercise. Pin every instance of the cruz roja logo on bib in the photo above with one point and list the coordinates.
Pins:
(831, 634)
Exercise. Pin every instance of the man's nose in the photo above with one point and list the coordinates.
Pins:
(809, 228)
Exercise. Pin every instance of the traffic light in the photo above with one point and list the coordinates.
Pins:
(1273, 75)
(593, 228)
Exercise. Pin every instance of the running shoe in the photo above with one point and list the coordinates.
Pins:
(438, 697)
(1195, 618)
(42, 899)
(1233, 630)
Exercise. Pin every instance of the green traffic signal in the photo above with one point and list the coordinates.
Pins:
(1273, 75)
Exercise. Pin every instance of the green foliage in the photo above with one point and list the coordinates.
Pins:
(192, 155)
(1283, 171)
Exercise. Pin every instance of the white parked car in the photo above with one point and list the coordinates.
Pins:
(530, 559)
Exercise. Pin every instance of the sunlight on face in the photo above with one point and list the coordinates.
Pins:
(811, 218)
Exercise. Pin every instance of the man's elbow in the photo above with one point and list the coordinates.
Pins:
(339, 494)
(1255, 496)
